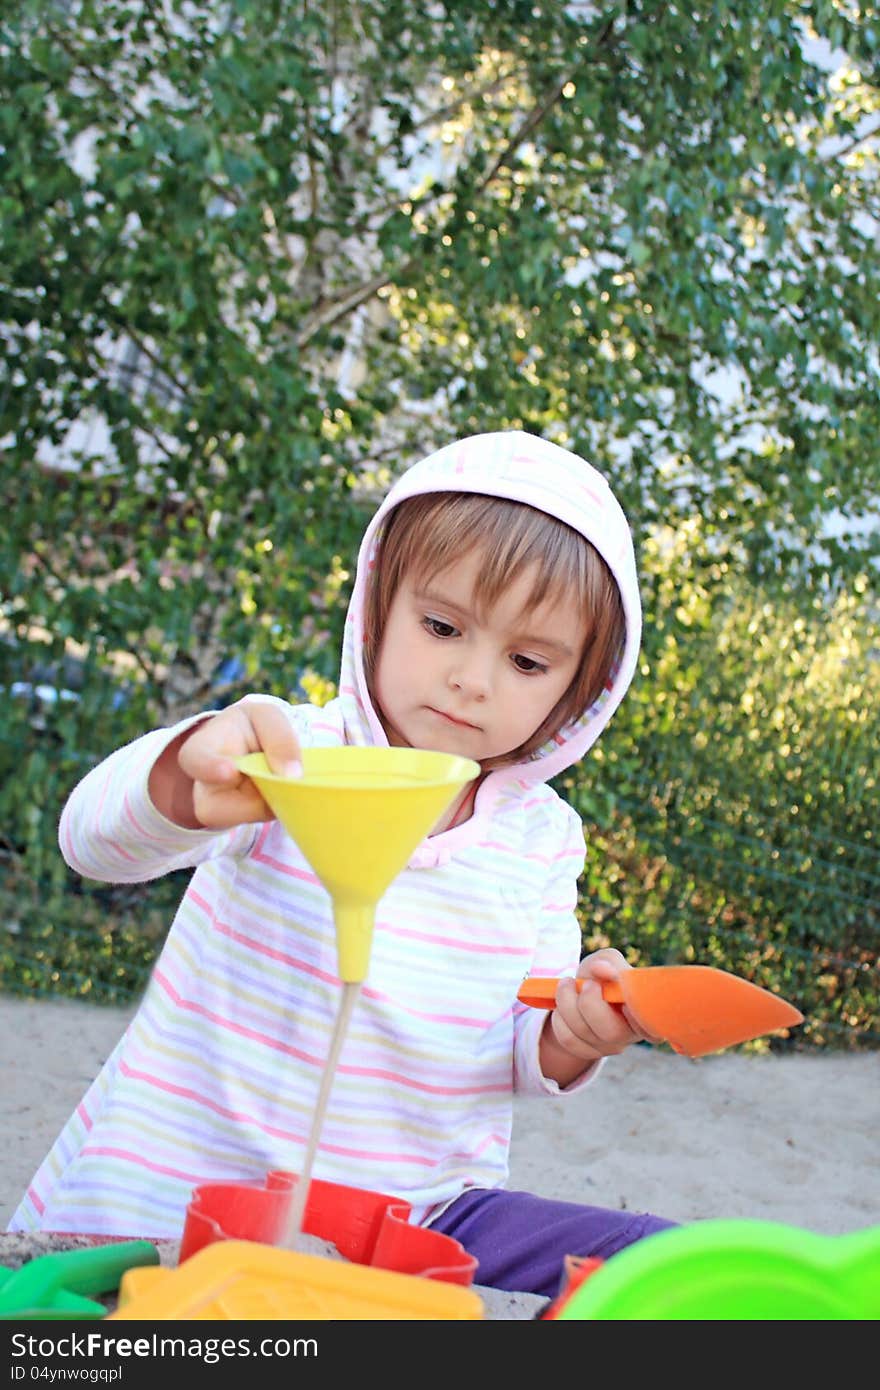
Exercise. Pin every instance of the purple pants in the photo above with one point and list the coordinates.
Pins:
(521, 1240)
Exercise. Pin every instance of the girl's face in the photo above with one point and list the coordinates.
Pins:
(453, 682)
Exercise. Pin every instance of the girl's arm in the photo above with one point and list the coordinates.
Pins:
(173, 797)
(110, 829)
(564, 1049)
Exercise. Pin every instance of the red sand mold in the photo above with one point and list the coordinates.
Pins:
(368, 1228)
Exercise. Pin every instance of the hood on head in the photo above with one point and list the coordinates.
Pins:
(522, 468)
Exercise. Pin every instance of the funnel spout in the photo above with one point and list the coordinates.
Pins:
(354, 939)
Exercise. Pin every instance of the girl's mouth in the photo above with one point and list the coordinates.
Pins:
(460, 723)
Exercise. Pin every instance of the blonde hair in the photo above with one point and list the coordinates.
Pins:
(426, 534)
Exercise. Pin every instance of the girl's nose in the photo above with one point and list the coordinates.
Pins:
(472, 677)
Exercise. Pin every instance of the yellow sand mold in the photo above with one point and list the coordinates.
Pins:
(243, 1280)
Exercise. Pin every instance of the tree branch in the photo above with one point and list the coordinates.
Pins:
(341, 306)
(855, 142)
(530, 124)
(443, 113)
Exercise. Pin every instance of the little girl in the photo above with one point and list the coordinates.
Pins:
(495, 614)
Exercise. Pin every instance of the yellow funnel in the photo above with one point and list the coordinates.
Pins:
(357, 814)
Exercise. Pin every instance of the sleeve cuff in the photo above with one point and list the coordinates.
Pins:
(530, 1080)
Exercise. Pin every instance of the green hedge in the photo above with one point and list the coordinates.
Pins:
(734, 811)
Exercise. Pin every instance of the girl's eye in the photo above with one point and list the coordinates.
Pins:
(528, 666)
(438, 627)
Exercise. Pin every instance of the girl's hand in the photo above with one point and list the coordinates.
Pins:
(195, 781)
(583, 1023)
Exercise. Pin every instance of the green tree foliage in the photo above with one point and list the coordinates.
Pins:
(256, 257)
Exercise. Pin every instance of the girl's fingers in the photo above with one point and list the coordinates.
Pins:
(275, 737)
(586, 1019)
(220, 809)
(253, 725)
(204, 762)
(605, 964)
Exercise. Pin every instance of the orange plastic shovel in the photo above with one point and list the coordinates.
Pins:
(695, 1008)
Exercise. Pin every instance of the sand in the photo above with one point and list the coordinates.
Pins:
(790, 1138)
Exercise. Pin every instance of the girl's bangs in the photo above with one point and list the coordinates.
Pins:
(510, 538)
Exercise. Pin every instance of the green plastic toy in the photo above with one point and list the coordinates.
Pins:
(735, 1270)
(52, 1286)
